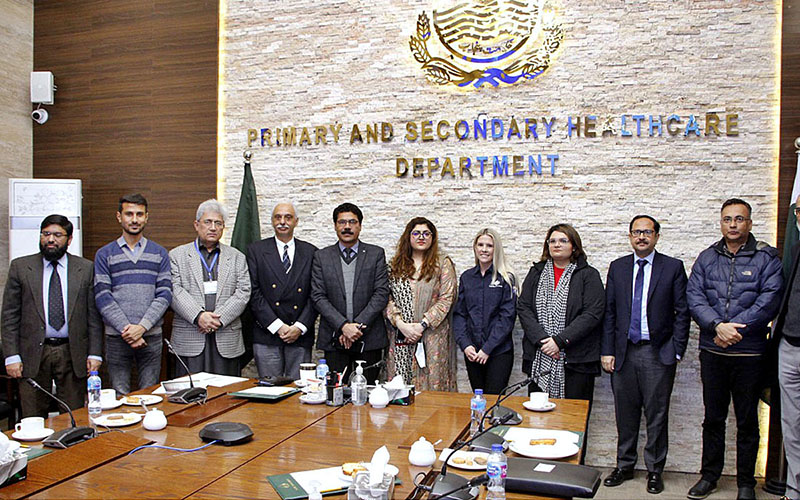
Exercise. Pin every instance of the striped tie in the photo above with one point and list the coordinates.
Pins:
(286, 262)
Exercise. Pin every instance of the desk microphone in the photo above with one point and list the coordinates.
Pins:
(191, 394)
(475, 481)
(453, 486)
(65, 437)
(499, 411)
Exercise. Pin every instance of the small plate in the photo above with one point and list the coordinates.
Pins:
(562, 449)
(32, 437)
(468, 457)
(149, 399)
(307, 399)
(127, 419)
(528, 406)
(391, 469)
(115, 404)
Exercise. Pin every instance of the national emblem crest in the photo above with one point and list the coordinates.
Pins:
(487, 41)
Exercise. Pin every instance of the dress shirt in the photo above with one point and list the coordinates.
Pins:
(135, 252)
(648, 271)
(354, 248)
(278, 323)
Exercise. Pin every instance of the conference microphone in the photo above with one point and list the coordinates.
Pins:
(500, 411)
(191, 394)
(65, 437)
(475, 481)
(453, 486)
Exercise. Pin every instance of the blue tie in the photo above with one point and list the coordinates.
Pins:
(635, 331)
(286, 263)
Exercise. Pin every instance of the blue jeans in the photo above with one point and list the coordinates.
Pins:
(120, 358)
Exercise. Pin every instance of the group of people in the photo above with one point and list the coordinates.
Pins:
(412, 316)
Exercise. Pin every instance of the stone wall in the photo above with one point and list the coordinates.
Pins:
(16, 141)
(307, 64)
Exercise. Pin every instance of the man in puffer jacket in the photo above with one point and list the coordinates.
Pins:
(733, 293)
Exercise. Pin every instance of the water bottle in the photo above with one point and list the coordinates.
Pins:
(93, 385)
(358, 386)
(496, 467)
(322, 369)
(477, 406)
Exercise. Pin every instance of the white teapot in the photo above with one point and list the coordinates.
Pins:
(379, 397)
(154, 420)
(422, 453)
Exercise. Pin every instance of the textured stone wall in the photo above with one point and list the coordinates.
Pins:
(308, 64)
(16, 141)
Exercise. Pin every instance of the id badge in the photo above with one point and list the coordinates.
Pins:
(210, 287)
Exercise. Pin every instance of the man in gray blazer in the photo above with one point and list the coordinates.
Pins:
(51, 329)
(210, 290)
(350, 289)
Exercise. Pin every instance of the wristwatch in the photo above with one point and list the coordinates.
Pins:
(424, 324)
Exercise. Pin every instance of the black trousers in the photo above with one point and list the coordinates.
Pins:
(493, 376)
(337, 360)
(725, 378)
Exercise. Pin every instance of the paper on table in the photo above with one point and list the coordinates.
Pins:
(267, 391)
(204, 379)
(328, 479)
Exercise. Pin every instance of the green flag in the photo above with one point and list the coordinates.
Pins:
(247, 228)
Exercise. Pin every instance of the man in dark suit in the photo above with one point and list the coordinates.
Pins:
(51, 329)
(350, 289)
(645, 333)
(280, 273)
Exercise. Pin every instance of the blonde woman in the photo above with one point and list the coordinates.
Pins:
(422, 282)
(484, 315)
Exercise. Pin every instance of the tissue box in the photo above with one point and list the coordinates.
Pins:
(360, 489)
(13, 469)
(402, 397)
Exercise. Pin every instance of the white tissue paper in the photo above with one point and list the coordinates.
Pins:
(379, 460)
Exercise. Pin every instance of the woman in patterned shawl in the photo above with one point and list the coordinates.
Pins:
(561, 310)
(423, 288)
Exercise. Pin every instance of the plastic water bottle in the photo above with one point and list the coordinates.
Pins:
(477, 406)
(496, 467)
(322, 369)
(358, 386)
(93, 385)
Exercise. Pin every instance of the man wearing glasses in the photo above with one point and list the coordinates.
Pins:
(734, 292)
(210, 290)
(645, 332)
(350, 289)
(51, 329)
(132, 290)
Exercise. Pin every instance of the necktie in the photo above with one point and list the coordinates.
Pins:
(635, 331)
(55, 300)
(286, 263)
(348, 255)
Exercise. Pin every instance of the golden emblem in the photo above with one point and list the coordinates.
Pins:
(496, 41)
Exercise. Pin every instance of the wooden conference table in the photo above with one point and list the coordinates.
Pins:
(288, 437)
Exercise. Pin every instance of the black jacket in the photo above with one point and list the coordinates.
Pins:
(584, 322)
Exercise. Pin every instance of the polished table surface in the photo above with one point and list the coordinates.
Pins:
(288, 437)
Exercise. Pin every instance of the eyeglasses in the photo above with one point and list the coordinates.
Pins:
(421, 234)
(56, 235)
(738, 219)
(797, 211)
(553, 241)
(213, 223)
(642, 232)
(345, 222)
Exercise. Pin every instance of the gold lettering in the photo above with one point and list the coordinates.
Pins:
(304, 137)
(443, 123)
(712, 123)
(517, 165)
(266, 137)
(387, 132)
(355, 135)
(588, 126)
(513, 128)
(320, 133)
(289, 138)
(411, 131)
(433, 164)
(417, 167)
(401, 169)
(427, 131)
(463, 166)
(335, 130)
(448, 168)
(732, 124)
(252, 135)
(671, 121)
(372, 133)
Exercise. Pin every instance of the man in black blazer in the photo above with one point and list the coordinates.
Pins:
(645, 333)
(280, 275)
(350, 289)
(51, 329)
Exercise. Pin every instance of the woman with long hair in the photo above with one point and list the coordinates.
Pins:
(561, 310)
(422, 282)
(483, 318)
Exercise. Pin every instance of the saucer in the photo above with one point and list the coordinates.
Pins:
(549, 406)
(32, 437)
(305, 398)
(115, 404)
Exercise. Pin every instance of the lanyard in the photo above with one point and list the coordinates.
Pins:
(208, 268)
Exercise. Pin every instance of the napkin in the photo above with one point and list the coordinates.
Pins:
(379, 460)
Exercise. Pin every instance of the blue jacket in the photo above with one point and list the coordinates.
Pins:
(743, 288)
(485, 312)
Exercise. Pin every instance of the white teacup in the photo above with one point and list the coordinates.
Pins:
(539, 399)
(108, 397)
(308, 371)
(30, 426)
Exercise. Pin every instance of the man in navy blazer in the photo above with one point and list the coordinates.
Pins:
(280, 273)
(645, 333)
